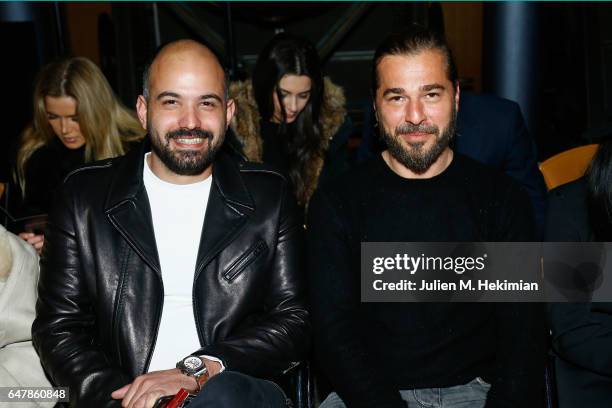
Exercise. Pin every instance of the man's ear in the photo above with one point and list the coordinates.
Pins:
(141, 110)
(375, 111)
(457, 96)
(230, 111)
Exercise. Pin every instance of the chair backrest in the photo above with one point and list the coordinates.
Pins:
(567, 166)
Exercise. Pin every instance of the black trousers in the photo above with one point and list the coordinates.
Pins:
(230, 389)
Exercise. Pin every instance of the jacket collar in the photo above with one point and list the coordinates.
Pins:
(128, 181)
(128, 209)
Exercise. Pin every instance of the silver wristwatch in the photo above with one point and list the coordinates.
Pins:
(194, 366)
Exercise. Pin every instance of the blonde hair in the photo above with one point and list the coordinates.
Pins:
(105, 123)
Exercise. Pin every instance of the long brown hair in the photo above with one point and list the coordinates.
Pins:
(290, 55)
(106, 124)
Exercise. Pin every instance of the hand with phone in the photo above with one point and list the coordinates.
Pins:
(36, 240)
(33, 228)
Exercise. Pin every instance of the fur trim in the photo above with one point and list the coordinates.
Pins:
(6, 255)
(333, 111)
(245, 124)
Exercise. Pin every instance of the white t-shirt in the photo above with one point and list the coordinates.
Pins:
(178, 217)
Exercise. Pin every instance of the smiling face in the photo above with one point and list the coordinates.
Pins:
(186, 113)
(416, 106)
(63, 118)
(295, 93)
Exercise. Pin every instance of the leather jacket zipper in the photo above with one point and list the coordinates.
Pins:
(244, 261)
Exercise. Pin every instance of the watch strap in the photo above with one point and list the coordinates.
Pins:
(201, 379)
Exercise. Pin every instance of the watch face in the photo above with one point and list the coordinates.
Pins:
(192, 363)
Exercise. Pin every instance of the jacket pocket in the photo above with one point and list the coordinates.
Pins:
(244, 260)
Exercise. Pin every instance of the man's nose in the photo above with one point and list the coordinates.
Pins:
(415, 112)
(189, 118)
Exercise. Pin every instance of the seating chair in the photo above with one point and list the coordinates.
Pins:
(550, 383)
(297, 384)
(567, 166)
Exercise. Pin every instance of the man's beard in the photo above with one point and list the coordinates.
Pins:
(417, 159)
(187, 162)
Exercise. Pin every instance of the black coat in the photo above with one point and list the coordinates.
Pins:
(101, 292)
(44, 172)
(492, 131)
(581, 332)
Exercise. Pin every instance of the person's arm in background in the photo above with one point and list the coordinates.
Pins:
(42, 179)
(521, 163)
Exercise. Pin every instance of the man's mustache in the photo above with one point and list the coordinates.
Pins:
(197, 132)
(408, 128)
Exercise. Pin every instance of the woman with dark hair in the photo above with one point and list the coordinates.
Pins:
(581, 211)
(291, 117)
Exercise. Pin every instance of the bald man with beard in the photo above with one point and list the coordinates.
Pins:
(173, 267)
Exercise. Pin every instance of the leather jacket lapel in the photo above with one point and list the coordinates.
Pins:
(132, 218)
(128, 209)
(229, 207)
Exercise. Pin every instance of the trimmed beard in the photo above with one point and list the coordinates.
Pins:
(417, 159)
(187, 162)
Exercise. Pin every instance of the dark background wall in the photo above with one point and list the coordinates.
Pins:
(564, 86)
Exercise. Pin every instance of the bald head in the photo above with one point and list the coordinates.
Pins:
(182, 52)
(185, 109)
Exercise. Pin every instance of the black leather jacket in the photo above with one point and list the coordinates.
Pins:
(101, 292)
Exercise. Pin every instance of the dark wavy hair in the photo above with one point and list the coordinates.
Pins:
(599, 192)
(290, 55)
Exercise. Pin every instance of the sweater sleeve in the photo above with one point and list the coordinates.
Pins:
(521, 327)
(356, 375)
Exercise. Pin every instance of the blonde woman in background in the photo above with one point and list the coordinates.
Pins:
(77, 119)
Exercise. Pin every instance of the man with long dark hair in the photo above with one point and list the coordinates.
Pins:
(419, 190)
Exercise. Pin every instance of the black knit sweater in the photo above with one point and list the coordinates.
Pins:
(372, 350)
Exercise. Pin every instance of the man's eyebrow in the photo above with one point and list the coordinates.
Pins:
(168, 94)
(431, 87)
(211, 96)
(393, 91)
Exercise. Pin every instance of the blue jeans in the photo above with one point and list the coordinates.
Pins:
(231, 389)
(470, 395)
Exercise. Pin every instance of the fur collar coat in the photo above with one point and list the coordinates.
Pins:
(246, 126)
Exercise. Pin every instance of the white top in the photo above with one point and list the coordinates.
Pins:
(178, 217)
